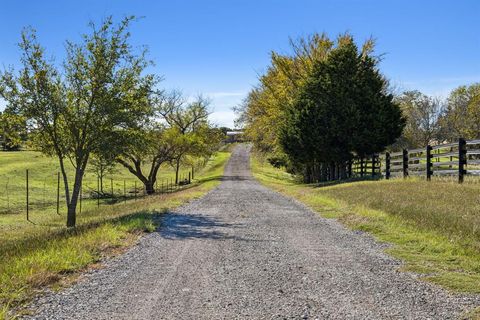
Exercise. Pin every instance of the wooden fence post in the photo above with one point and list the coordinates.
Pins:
(189, 178)
(374, 163)
(135, 193)
(387, 165)
(361, 167)
(429, 162)
(405, 163)
(124, 191)
(462, 159)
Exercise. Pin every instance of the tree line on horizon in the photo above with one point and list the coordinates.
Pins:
(327, 103)
(100, 107)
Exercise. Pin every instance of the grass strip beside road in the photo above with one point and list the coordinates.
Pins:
(33, 257)
(434, 226)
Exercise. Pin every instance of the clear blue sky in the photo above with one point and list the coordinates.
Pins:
(217, 48)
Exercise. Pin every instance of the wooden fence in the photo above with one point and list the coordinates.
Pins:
(459, 159)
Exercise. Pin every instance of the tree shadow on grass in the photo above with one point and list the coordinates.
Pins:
(49, 232)
(179, 226)
(349, 180)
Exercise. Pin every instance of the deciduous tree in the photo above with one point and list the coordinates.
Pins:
(98, 89)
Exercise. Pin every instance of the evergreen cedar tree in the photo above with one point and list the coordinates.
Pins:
(342, 110)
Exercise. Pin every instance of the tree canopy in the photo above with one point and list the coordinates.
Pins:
(71, 108)
(329, 102)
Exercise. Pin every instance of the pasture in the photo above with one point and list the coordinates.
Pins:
(43, 183)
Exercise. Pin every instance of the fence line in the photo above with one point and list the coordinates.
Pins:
(32, 193)
(460, 159)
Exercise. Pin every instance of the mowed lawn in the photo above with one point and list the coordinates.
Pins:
(44, 253)
(434, 226)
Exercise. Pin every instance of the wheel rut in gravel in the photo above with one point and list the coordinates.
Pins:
(246, 252)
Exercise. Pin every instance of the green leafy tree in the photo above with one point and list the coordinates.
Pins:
(342, 110)
(194, 137)
(99, 89)
(13, 130)
(143, 150)
(422, 114)
(264, 109)
(102, 165)
(461, 117)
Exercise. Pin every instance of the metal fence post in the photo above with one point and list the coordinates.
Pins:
(387, 165)
(28, 209)
(98, 192)
(8, 195)
(405, 163)
(81, 187)
(429, 162)
(462, 159)
(58, 193)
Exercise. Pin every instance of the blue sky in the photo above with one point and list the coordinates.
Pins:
(218, 48)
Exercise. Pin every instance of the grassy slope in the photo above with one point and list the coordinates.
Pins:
(35, 256)
(434, 226)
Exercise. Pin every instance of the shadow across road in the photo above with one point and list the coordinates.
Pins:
(179, 226)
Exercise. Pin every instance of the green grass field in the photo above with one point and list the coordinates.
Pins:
(434, 226)
(33, 256)
(43, 182)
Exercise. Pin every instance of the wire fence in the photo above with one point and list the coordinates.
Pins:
(24, 191)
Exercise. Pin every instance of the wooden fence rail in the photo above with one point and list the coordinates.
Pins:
(461, 158)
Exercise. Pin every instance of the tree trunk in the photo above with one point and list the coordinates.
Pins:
(150, 187)
(332, 171)
(72, 206)
(72, 213)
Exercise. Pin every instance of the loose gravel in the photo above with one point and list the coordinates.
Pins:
(246, 252)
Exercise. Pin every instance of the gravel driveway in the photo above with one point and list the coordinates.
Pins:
(246, 252)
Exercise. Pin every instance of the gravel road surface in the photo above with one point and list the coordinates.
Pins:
(246, 252)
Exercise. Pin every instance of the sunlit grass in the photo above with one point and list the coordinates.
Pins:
(434, 226)
(43, 172)
(33, 256)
